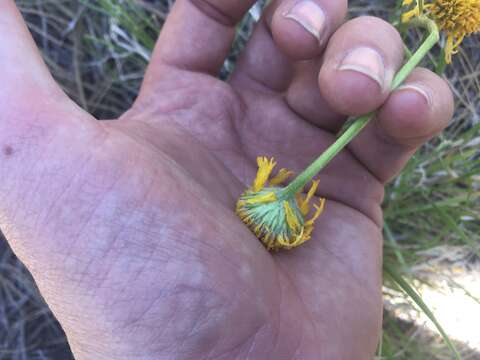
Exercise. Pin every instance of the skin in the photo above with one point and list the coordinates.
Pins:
(128, 226)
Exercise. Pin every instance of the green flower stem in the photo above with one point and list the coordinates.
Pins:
(358, 125)
(421, 6)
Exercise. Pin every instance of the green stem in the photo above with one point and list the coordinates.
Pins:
(421, 6)
(358, 125)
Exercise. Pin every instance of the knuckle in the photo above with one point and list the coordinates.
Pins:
(215, 12)
(383, 29)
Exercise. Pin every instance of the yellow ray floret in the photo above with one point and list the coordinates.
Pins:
(293, 221)
(318, 211)
(263, 198)
(305, 204)
(456, 18)
(265, 168)
(277, 220)
(407, 16)
(281, 177)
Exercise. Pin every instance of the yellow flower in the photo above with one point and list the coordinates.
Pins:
(457, 18)
(407, 16)
(277, 220)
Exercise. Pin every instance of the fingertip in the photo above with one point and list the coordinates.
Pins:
(421, 108)
(406, 116)
(360, 65)
(350, 92)
(302, 28)
(418, 110)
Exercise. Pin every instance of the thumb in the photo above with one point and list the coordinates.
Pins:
(24, 74)
(38, 122)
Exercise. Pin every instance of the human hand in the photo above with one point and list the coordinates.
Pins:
(129, 228)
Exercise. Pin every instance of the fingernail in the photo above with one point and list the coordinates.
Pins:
(309, 15)
(419, 89)
(367, 61)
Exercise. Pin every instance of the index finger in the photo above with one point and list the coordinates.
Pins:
(22, 66)
(197, 36)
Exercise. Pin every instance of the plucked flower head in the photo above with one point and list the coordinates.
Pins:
(278, 220)
(457, 18)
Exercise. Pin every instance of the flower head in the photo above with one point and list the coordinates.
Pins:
(278, 220)
(457, 18)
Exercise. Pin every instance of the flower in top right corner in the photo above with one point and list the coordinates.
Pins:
(457, 18)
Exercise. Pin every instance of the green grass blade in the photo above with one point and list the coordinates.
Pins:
(410, 291)
(394, 245)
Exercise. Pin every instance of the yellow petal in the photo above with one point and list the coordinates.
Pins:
(304, 206)
(319, 210)
(282, 175)
(265, 167)
(406, 17)
(292, 219)
(261, 199)
(300, 239)
(281, 240)
(457, 43)
(308, 233)
(449, 49)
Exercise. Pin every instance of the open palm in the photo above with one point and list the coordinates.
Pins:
(129, 228)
